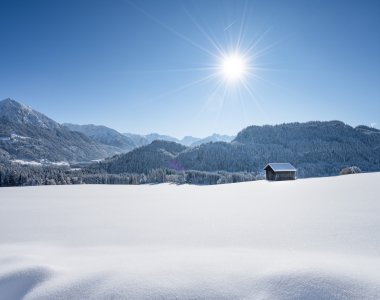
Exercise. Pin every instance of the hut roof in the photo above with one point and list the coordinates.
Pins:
(280, 167)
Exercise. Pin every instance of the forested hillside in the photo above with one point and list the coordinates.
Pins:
(315, 148)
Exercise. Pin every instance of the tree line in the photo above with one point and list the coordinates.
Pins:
(27, 175)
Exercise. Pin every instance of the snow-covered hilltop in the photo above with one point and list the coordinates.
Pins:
(16, 112)
(26, 134)
(304, 239)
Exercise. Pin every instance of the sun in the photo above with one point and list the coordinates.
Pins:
(233, 67)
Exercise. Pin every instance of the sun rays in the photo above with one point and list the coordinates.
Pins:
(234, 53)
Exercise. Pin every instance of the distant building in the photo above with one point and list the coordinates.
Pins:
(280, 171)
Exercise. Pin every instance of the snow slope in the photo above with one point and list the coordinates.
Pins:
(304, 239)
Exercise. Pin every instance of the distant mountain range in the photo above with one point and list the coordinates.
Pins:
(189, 141)
(124, 142)
(315, 148)
(29, 135)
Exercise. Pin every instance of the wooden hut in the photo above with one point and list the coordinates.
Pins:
(280, 171)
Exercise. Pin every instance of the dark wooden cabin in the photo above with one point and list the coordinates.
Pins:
(280, 171)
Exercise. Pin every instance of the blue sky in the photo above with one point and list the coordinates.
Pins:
(139, 66)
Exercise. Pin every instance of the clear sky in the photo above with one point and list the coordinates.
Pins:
(157, 66)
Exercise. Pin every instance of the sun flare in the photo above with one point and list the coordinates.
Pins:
(233, 67)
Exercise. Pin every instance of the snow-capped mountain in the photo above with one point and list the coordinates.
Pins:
(189, 140)
(106, 136)
(21, 114)
(29, 135)
(156, 136)
(213, 138)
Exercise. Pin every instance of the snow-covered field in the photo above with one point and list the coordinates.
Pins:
(303, 239)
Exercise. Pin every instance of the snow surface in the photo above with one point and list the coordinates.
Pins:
(26, 162)
(42, 162)
(305, 239)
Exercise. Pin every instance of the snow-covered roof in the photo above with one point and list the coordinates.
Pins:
(278, 167)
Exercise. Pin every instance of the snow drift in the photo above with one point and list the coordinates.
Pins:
(303, 239)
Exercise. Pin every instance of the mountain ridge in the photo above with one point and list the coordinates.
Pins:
(316, 148)
(30, 135)
(104, 135)
(23, 114)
